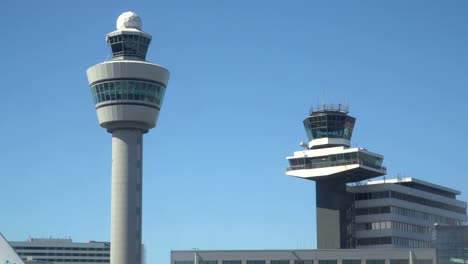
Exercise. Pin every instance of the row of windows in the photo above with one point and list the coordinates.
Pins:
(429, 189)
(61, 254)
(371, 195)
(232, 262)
(374, 241)
(408, 198)
(129, 37)
(412, 243)
(129, 45)
(321, 261)
(372, 210)
(107, 248)
(336, 160)
(400, 241)
(393, 225)
(406, 261)
(425, 216)
(128, 90)
(407, 212)
(329, 125)
(279, 261)
(73, 260)
(427, 202)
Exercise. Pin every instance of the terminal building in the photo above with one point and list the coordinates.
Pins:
(61, 251)
(402, 212)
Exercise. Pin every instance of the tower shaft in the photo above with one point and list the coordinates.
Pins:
(332, 205)
(126, 223)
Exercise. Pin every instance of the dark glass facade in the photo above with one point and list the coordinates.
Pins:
(451, 243)
(128, 90)
(134, 45)
(332, 124)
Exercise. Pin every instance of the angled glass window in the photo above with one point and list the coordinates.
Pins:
(128, 90)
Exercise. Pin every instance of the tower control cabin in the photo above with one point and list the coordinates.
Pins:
(128, 92)
(330, 161)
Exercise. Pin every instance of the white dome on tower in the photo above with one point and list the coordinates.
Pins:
(129, 20)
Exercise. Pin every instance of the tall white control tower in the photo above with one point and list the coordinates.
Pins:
(128, 92)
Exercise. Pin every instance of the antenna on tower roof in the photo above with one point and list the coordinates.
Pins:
(323, 99)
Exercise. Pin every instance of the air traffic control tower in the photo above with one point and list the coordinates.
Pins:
(329, 160)
(128, 92)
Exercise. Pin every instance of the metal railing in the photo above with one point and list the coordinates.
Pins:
(324, 164)
(344, 108)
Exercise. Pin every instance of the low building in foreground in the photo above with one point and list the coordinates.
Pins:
(62, 251)
(320, 256)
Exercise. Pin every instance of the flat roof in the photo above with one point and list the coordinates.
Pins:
(409, 179)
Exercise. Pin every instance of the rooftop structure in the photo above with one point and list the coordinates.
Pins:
(128, 92)
(418, 184)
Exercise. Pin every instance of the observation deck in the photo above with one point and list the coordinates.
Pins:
(328, 154)
(127, 90)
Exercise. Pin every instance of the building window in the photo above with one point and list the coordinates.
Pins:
(351, 261)
(232, 262)
(422, 261)
(184, 262)
(303, 262)
(255, 261)
(327, 261)
(375, 261)
(399, 261)
(207, 262)
(279, 261)
(374, 241)
(410, 243)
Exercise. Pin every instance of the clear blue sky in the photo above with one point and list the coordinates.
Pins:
(243, 76)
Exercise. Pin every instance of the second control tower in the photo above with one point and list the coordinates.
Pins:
(128, 92)
(329, 160)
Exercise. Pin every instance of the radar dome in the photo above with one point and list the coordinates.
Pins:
(129, 20)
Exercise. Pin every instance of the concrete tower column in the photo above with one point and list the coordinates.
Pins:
(126, 196)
